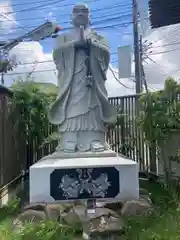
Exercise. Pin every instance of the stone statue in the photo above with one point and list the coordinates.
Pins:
(81, 109)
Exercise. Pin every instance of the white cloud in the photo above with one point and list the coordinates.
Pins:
(41, 65)
(7, 21)
(165, 56)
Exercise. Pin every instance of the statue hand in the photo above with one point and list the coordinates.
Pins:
(82, 43)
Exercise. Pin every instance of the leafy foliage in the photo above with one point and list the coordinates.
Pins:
(33, 103)
(160, 112)
(6, 64)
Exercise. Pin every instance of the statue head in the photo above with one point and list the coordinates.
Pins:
(80, 15)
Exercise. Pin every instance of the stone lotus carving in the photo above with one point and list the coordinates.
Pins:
(73, 187)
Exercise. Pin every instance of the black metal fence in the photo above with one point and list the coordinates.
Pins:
(127, 138)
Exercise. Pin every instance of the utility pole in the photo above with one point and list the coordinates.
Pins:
(136, 48)
(143, 77)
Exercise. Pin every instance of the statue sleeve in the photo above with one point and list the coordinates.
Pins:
(63, 58)
(58, 53)
(101, 43)
(101, 49)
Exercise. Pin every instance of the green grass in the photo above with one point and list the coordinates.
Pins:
(44, 231)
(163, 224)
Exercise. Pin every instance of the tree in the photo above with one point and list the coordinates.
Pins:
(6, 64)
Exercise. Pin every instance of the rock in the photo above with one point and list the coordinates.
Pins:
(144, 194)
(145, 198)
(53, 212)
(35, 206)
(143, 203)
(114, 205)
(32, 215)
(103, 224)
(29, 215)
(36, 213)
(141, 207)
(71, 217)
(143, 191)
(67, 206)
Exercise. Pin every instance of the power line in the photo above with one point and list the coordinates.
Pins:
(26, 72)
(27, 3)
(107, 15)
(165, 36)
(96, 28)
(37, 7)
(44, 61)
(114, 75)
(42, 6)
(54, 70)
(166, 45)
(7, 19)
(93, 10)
(171, 50)
(113, 27)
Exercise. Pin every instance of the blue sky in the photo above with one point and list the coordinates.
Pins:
(113, 20)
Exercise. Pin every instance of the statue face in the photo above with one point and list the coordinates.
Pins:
(80, 15)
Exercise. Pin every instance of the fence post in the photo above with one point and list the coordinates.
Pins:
(153, 155)
(122, 126)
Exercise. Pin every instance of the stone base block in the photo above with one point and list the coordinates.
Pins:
(71, 179)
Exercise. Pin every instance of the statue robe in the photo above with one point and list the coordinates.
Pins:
(78, 107)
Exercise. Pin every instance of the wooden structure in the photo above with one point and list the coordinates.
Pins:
(12, 145)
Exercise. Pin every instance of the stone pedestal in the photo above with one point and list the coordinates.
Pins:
(102, 176)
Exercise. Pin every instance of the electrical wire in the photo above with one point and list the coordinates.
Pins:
(27, 3)
(114, 75)
(41, 62)
(108, 7)
(95, 28)
(164, 45)
(49, 4)
(27, 72)
(167, 51)
(165, 36)
(38, 7)
(44, 61)
(35, 63)
(7, 19)
(168, 33)
(67, 22)
(54, 70)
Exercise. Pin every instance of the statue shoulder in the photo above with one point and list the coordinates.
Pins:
(62, 39)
